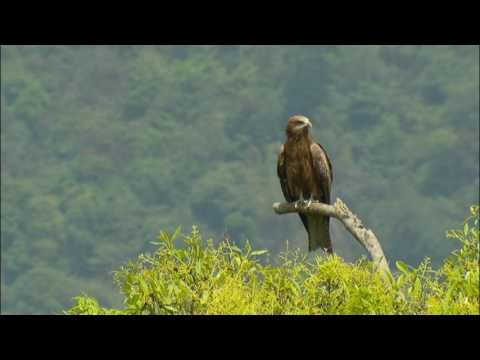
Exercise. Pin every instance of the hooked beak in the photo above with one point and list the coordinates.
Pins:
(305, 124)
(301, 123)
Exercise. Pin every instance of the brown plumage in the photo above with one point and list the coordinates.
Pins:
(305, 173)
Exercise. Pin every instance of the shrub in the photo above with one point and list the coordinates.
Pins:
(225, 279)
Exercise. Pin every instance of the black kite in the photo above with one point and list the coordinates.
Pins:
(305, 174)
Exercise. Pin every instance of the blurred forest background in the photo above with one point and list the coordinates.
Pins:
(104, 146)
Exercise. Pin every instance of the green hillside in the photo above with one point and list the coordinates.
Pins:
(104, 146)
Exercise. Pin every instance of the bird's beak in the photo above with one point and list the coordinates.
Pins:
(305, 124)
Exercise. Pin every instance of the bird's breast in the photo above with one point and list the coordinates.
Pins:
(299, 171)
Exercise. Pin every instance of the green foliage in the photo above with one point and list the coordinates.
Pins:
(101, 146)
(224, 279)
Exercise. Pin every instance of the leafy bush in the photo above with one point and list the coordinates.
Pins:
(224, 279)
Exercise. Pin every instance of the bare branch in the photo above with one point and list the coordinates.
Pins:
(352, 223)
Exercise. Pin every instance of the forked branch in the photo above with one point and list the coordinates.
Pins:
(352, 223)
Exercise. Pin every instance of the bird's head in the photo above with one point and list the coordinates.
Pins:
(298, 125)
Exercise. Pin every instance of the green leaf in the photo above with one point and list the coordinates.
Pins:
(402, 267)
(170, 308)
(236, 249)
(238, 261)
(198, 267)
(259, 252)
(417, 286)
(176, 233)
(205, 296)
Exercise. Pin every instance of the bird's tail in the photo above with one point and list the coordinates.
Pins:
(319, 233)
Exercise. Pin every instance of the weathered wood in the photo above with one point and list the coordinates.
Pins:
(352, 223)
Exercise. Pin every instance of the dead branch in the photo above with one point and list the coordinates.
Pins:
(352, 223)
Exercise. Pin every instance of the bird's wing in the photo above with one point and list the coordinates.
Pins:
(328, 162)
(322, 170)
(282, 175)
(318, 225)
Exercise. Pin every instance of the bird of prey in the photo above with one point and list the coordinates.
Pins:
(306, 176)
